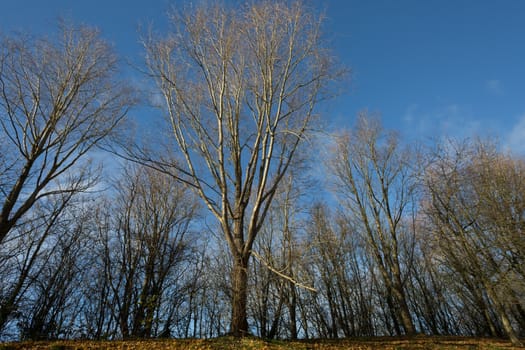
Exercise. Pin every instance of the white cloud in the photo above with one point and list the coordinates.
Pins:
(410, 113)
(516, 138)
(494, 87)
(452, 120)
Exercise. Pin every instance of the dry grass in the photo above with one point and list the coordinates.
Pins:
(226, 343)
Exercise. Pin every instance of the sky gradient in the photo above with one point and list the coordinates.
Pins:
(429, 68)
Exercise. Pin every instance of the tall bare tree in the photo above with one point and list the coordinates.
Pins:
(475, 205)
(240, 86)
(52, 304)
(23, 254)
(148, 247)
(377, 187)
(345, 298)
(59, 97)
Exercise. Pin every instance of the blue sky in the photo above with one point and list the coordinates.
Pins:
(430, 68)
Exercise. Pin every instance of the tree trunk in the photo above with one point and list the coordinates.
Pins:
(9, 303)
(502, 315)
(6, 310)
(4, 229)
(239, 321)
(292, 304)
(404, 311)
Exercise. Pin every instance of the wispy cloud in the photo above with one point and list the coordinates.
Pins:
(516, 137)
(451, 120)
(494, 87)
(459, 122)
(410, 113)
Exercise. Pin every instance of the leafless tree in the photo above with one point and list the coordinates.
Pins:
(147, 247)
(97, 314)
(475, 205)
(24, 252)
(58, 99)
(343, 305)
(377, 187)
(429, 288)
(53, 302)
(240, 86)
(277, 274)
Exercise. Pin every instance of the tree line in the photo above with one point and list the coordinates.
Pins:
(215, 226)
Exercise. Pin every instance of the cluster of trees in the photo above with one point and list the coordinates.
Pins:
(426, 241)
(215, 229)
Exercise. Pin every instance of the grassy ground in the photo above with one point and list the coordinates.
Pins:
(226, 343)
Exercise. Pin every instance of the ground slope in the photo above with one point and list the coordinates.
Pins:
(227, 343)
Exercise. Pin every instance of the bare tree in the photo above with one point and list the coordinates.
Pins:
(429, 288)
(377, 187)
(147, 247)
(53, 300)
(345, 298)
(240, 86)
(97, 310)
(58, 99)
(277, 273)
(24, 253)
(475, 205)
